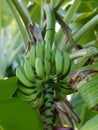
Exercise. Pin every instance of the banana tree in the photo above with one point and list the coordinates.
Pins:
(58, 62)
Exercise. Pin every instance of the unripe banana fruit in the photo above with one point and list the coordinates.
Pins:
(66, 63)
(39, 65)
(47, 67)
(53, 50)
(32, 55)
(42, 64)
(38, 102)
(39, 49)
(58, 62)
(26, 90)
(29, 71)
(20, 73)
(25, 97)
(47, 50)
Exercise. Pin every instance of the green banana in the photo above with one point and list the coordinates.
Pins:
(20, 73)
(41, 100)
(66, 63)
(40, 49)
(40, 67)
(64, 89)
(26, 90)
(58, 62)
(28, 98)
(29, 71)
(63, 80)
(47, 67)
(22, 61)
(38, 102)
(47, 53)
(53, 50)
(32, 55)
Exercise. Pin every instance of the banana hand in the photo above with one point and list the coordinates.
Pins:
(26, 90)
(29, 71)
(20, 73)
(28, 98)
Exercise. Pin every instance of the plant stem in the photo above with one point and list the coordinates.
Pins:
(72, 11)
(88, 53)
(48, 106)
(66, 31)
(21, 26)
(50, 29)
(58, 4)
(79, 53)
(42, 12)
(67, 20)
(88, 26)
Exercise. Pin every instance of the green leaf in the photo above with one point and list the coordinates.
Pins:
(85, 6)
(77, 103)
(92, 124)
(37, 1)
(7, 88)
(88, 89)
(19, 115)
(89, 36)
(35, 12)
(85, 16)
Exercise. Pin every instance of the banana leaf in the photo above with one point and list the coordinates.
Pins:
(92, 124)
(88, 89)
(18, 115)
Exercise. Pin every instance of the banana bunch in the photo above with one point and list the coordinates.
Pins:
(41, 64)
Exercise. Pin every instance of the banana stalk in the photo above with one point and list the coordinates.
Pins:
(50, 29)
(48, 106)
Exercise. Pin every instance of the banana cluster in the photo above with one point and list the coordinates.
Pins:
(41, 64)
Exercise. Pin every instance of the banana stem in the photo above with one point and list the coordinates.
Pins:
(72, 11)
(50, 29)
(58, 4)
(90, 52)
(88, 26)
(42, 12)
(79, 53)
(86, 54)
(67, 31)
(49, 106)
(67, 19)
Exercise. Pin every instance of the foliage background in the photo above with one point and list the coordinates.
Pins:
(80, 15)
